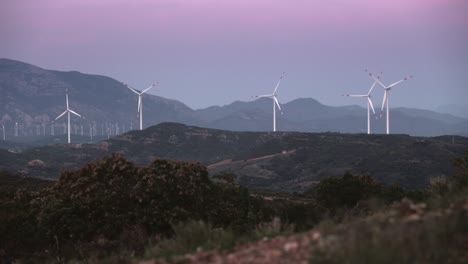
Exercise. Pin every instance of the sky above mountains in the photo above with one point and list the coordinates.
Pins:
(212, 52)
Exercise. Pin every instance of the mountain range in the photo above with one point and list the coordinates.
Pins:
(33, 97)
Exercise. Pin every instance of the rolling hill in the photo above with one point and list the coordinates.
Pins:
(286, 161)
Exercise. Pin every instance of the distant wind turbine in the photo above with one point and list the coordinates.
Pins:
(387, 90)
(140, 103)
(370, 105)
(68, 111)
(90, 132)
(274, 99)
(3, 129)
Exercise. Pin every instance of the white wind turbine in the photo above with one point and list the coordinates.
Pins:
(68, 111)
(370, 105)
(387, 90)
(90, 132)
(140, 103)
(275, 101)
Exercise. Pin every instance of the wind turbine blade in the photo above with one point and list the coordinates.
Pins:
(279, 81)
(402, 80)
(384, 100)
(62, 114)
(376, 79)
(356, 95)
(66, 96)
(263, 95)
(153, 85)
(139, 103)
(75, 113)
(277, 103)
(371, 104)
(372, 87)
(133, 90)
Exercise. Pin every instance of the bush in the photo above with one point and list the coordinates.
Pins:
(102, 206)
(407, 233)
(97, 200)
(172, 192)
(191, 236)
(438, 186)
(346, 191)
(460, 177)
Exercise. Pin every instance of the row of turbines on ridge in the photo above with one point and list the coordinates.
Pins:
(273, 96)
(68, 111)
(107, 129)
(370, 105)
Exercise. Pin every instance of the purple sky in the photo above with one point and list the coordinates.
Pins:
(213, 52)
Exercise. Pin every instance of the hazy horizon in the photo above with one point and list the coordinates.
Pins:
(232, 50)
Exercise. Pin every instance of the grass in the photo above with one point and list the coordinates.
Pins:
(189, 237)
(407, 233)
(198, 235)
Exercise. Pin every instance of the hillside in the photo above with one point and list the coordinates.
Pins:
(112, 211)
(286, 161)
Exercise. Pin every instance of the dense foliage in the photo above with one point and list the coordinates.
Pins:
(113, 209)
(106, 203)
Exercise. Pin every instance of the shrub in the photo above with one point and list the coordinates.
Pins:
(97, 200)
(93, 210)
(438, 186)
(460, 177)
(173, 191)
(346, 191)
(407, 233)
(192, 236)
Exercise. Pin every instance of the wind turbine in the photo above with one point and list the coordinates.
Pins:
(370, 105)
(68, 111)
(140, 103)
(387, 90)
(91, 132)
(274, 99)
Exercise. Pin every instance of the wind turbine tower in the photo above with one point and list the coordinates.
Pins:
(387, 90)
(68, 111)
(370, 105)
(91, 132)
(274, 99)
(140, 103)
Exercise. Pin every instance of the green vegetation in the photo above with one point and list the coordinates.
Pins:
(112, 211)
(432, 231)
(301, 158)
(112, 205)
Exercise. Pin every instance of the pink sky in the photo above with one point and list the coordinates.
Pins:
(206, 38)
(85, 20)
